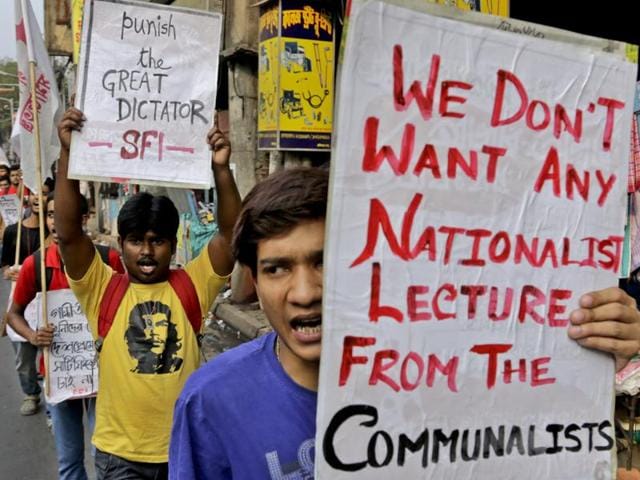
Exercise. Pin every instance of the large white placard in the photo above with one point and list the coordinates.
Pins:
(9, 209)
(478, 190)
(146, 83)
(72, 367)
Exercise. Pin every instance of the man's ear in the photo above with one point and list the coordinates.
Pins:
(254, 279)
(120, 242)
(85, 219)
(174, 246)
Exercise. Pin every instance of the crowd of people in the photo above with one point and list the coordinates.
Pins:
(249, 413)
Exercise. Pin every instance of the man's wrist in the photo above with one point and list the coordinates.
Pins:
(220, 168)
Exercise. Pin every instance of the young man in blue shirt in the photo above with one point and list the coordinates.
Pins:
(250, 413)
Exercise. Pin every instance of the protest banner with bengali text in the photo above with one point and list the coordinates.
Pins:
(72, 362)
(9, 209)
(478, 190)
(147, 82)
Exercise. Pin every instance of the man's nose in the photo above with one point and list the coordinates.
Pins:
(147, 249)
(306, 286)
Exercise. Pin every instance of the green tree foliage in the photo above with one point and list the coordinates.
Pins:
(8, 91)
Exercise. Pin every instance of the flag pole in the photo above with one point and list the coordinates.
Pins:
(42, 206)
(38, 154)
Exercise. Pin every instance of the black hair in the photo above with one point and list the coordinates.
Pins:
(145, 212)
(51, 183)
(275, 206)
(13, 168)
(4, 178)
(84, 204)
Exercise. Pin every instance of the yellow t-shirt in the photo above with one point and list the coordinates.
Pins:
(148, 354)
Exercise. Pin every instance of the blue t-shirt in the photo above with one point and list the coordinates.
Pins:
(241, 416)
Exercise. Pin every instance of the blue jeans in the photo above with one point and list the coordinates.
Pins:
(68, 434)
(113, 467)
(26, 367)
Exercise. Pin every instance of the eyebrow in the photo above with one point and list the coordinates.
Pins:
(313, 256)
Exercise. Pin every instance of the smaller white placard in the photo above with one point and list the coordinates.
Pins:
(72, 367)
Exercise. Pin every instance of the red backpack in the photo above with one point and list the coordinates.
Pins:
(117, 287)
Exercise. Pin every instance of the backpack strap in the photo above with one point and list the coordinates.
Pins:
(36, 263)
(117, 287)
(103, 251)
(111, 299)
(181, 283)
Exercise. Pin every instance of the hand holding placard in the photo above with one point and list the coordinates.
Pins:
(608, 320)
(220, 146)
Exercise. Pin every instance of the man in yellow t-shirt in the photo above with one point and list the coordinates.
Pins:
(151, 347)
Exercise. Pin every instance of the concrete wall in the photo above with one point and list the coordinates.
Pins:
(240, 54)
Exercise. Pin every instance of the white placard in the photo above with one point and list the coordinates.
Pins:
(72, 367)
(146, 83)
(478, 190)
(9, 209)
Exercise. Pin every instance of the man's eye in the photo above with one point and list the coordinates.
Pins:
(274, 270)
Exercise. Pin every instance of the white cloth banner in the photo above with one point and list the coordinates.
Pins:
(30, 47)
(72, 367)
(478, 190)
(146, 83)
(9, 209)
(3, 157)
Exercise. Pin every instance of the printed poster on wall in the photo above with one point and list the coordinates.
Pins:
(72, 367)
(268, 62)
(478, 190)
(147, 84)
(77, 7)
(295, 80)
